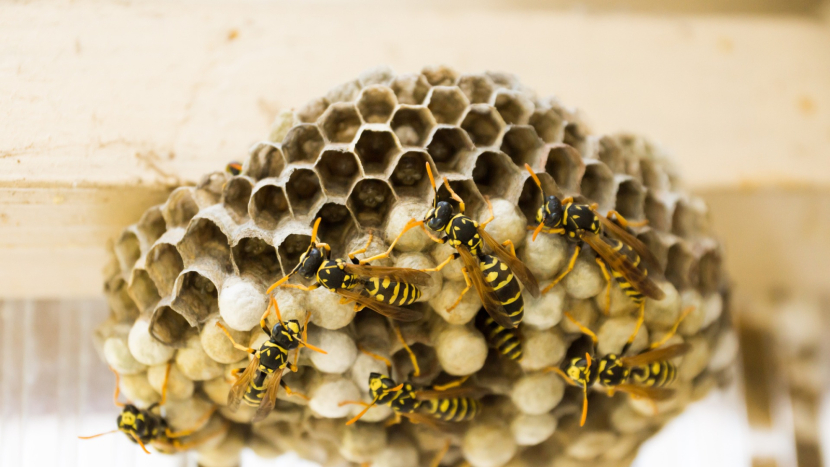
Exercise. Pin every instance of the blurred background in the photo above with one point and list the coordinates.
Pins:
(107, 104)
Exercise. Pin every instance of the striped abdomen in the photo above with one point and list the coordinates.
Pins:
(393, 293)
(507, 289)
(655, 374)
(454, 409)
(253, 395)
(506, 341)
(624, 284)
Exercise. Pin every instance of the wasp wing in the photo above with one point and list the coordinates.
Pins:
(432, 422)
(404, 275)
(657, 355)
(622, 264)
(270, 397)
(486, 293)
(239, 388)
(630, 240)
(468, 391)
(646, 392)
(391, 311)
(519, 269)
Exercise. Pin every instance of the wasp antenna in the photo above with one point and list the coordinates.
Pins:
(537, 230)
(281, 281)
(588, 359)
(99, 434)
(431, 178)
(535, 178)
(584, 406)
(362, 412)
(140, 443)
(314, 230)
(164, 383)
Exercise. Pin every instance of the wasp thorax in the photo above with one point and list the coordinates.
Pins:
(438, 217)
(310, 262)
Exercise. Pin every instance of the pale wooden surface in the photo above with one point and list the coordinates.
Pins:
(95, 93)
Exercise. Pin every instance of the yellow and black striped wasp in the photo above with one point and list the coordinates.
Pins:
(148, 427)
(270, 360)
(234, 168)
(432, 406)
(383, 289)
(643, 375)
(581, 223)
(506, 341)
(494, 276)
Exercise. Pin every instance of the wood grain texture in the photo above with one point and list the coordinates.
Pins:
(107, 103)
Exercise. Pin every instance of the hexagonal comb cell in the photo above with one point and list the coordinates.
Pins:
(598, 184)
(685, 221)
(168, 327)
(127, 250)
(531, 196)
(268, 205)
(657, 213)
(266, 160)
(514, 107)
(630, 199)
(610, 153)
(410, 89)
(120, 302)
(447, 104)
(151, 226)
(164, 264)
(522, 145)
(142, 290)
(370, 201)
(236, 197)
(439, 75)
(484, 124)
(495, 174)
(467, 191)
(336, 224)
(477, 88)
(376, 147)
(312, 110)
(209, 189)
(709, 270)
(205, 240)
(412, 124)
(197, 297)
(180, 208)
(290, 250)
(338, 169)
(446, 146)
(680, 267)
(410, 175)
(549, 125)
(255, 258)
(376, 104)
(304, 191)
(653, 177)
(565, 166)
(340, 122)
(303, 143)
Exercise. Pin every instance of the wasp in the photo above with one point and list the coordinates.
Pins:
(506, 341)
(643, 375)
(234, 168)
(382, 289)
(494, 275)
(148, 427)
(580, 223)
(270, 360)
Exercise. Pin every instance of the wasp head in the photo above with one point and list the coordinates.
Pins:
(439, 216)
(289, 333)
(311, 261)
(379, 385)
(581, 372)
(131, 421)
(550, 212)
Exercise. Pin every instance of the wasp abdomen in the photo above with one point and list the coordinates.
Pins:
(506, 341)
(393, 293)
(454, 409)
(505, 285)
(655, 374)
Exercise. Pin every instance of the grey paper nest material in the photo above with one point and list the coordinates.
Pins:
(356, 158)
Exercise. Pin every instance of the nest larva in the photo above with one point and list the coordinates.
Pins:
(355, 158)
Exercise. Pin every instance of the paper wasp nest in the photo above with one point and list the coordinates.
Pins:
(355, 157)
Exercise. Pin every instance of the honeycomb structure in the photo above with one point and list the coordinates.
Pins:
(356, 158)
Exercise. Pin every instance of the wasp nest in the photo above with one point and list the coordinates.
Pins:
(356, 158)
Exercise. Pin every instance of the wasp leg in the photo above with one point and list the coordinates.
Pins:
(394, 421)
(563, 273)
(451, 257)
(291, 392)
(454, 196)
(436, 461)
(302, 287)
(489, 208)
(624, 223)
(416, 370)
(640, 318)
(673, 329)
(466, 289)
(164, 383)
(117, 388)
(409, 226)
(262, 321)
(452, 384)
(561, 373)
(607, 308)
(189, 431)
(362, 250)
(237, 346)
(582, 327)
(377, 357)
